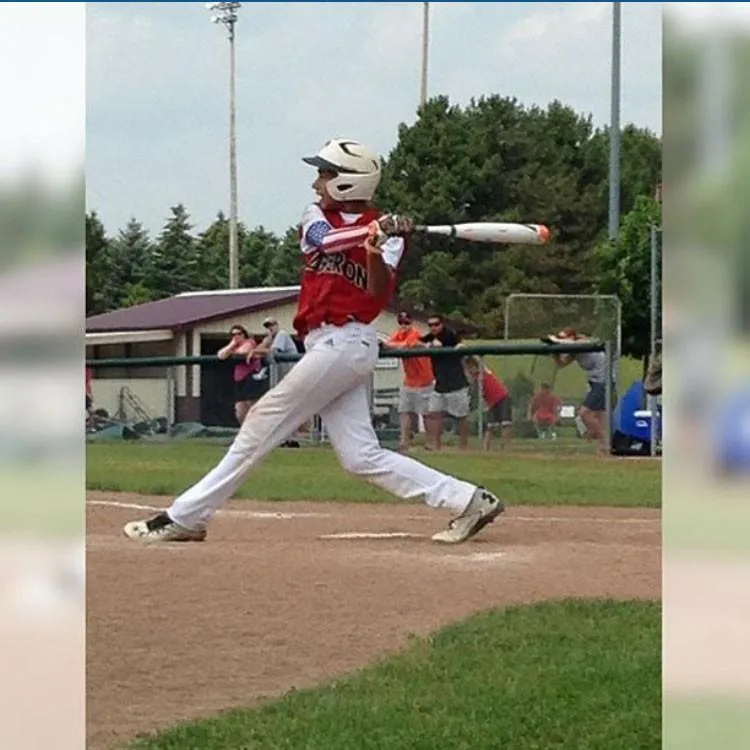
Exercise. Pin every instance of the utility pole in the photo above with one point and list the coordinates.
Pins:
(425, 51)
(614, 128)
(226, 13)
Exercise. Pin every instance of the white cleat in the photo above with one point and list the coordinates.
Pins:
(483, 509)
(161, 528)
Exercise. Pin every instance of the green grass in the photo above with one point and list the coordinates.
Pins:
(558, 675)
(314, 474)
(698, 722)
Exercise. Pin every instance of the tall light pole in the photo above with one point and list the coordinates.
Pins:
(425, 52)
(226, 13)
(614, 128)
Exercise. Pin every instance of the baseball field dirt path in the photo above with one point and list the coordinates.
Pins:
(286, 595)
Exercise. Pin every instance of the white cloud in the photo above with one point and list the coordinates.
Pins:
(562, 21)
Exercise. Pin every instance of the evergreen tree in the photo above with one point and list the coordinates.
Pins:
(174, 266)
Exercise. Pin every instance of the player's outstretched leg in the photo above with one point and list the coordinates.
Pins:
(336, 361)
(352, 436)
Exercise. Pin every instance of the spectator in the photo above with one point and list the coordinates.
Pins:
(451, 393)
(418, 383)
(278, 341)
(544, 411)
(593, 412)
(250, 377)
(497, 400)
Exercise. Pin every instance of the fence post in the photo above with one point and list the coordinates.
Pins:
(480, 401)
(652, 407)
(608, 392)
(170, 414)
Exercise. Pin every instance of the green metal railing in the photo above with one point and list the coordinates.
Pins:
(385, 353)
(504, 348)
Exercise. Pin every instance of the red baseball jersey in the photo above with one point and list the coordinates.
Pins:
(334, 275)
(493, 389)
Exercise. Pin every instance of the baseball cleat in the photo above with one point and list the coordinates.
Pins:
(161, 528)
(483, 509)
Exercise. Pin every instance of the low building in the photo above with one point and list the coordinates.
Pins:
(193, 323)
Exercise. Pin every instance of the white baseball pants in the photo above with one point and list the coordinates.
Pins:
(331, 380)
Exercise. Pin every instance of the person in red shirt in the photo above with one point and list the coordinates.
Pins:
(350, 256)
(418, 384)
(544, 411)
(497, 401)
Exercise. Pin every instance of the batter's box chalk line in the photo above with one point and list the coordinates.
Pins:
(278, 515)
(230, 513)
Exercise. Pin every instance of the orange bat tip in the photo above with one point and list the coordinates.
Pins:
(543, 233)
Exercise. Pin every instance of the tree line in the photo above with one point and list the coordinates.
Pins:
(491, 160)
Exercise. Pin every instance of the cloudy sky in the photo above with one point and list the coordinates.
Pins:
(157, 89)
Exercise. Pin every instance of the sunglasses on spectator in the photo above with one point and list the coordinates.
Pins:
(434, 323)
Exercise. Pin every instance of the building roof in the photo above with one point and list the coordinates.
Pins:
(190, 308)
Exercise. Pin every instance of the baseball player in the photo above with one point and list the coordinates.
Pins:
(350, 255)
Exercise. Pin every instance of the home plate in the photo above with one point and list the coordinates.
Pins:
(372, 535)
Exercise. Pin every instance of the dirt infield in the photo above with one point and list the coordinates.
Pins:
(288, 595)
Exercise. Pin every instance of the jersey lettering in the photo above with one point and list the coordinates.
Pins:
(340, 265)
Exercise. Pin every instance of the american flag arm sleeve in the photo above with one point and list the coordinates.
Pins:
(322, 236)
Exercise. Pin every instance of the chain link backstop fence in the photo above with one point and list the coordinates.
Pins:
(529, 316)
(138, 399)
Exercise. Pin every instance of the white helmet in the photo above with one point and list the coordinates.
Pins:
(357, 169)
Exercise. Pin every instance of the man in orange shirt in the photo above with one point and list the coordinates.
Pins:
(418, 378)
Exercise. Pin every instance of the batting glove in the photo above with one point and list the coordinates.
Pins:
(393, 225)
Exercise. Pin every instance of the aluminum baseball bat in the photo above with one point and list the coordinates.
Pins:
(492, 231)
